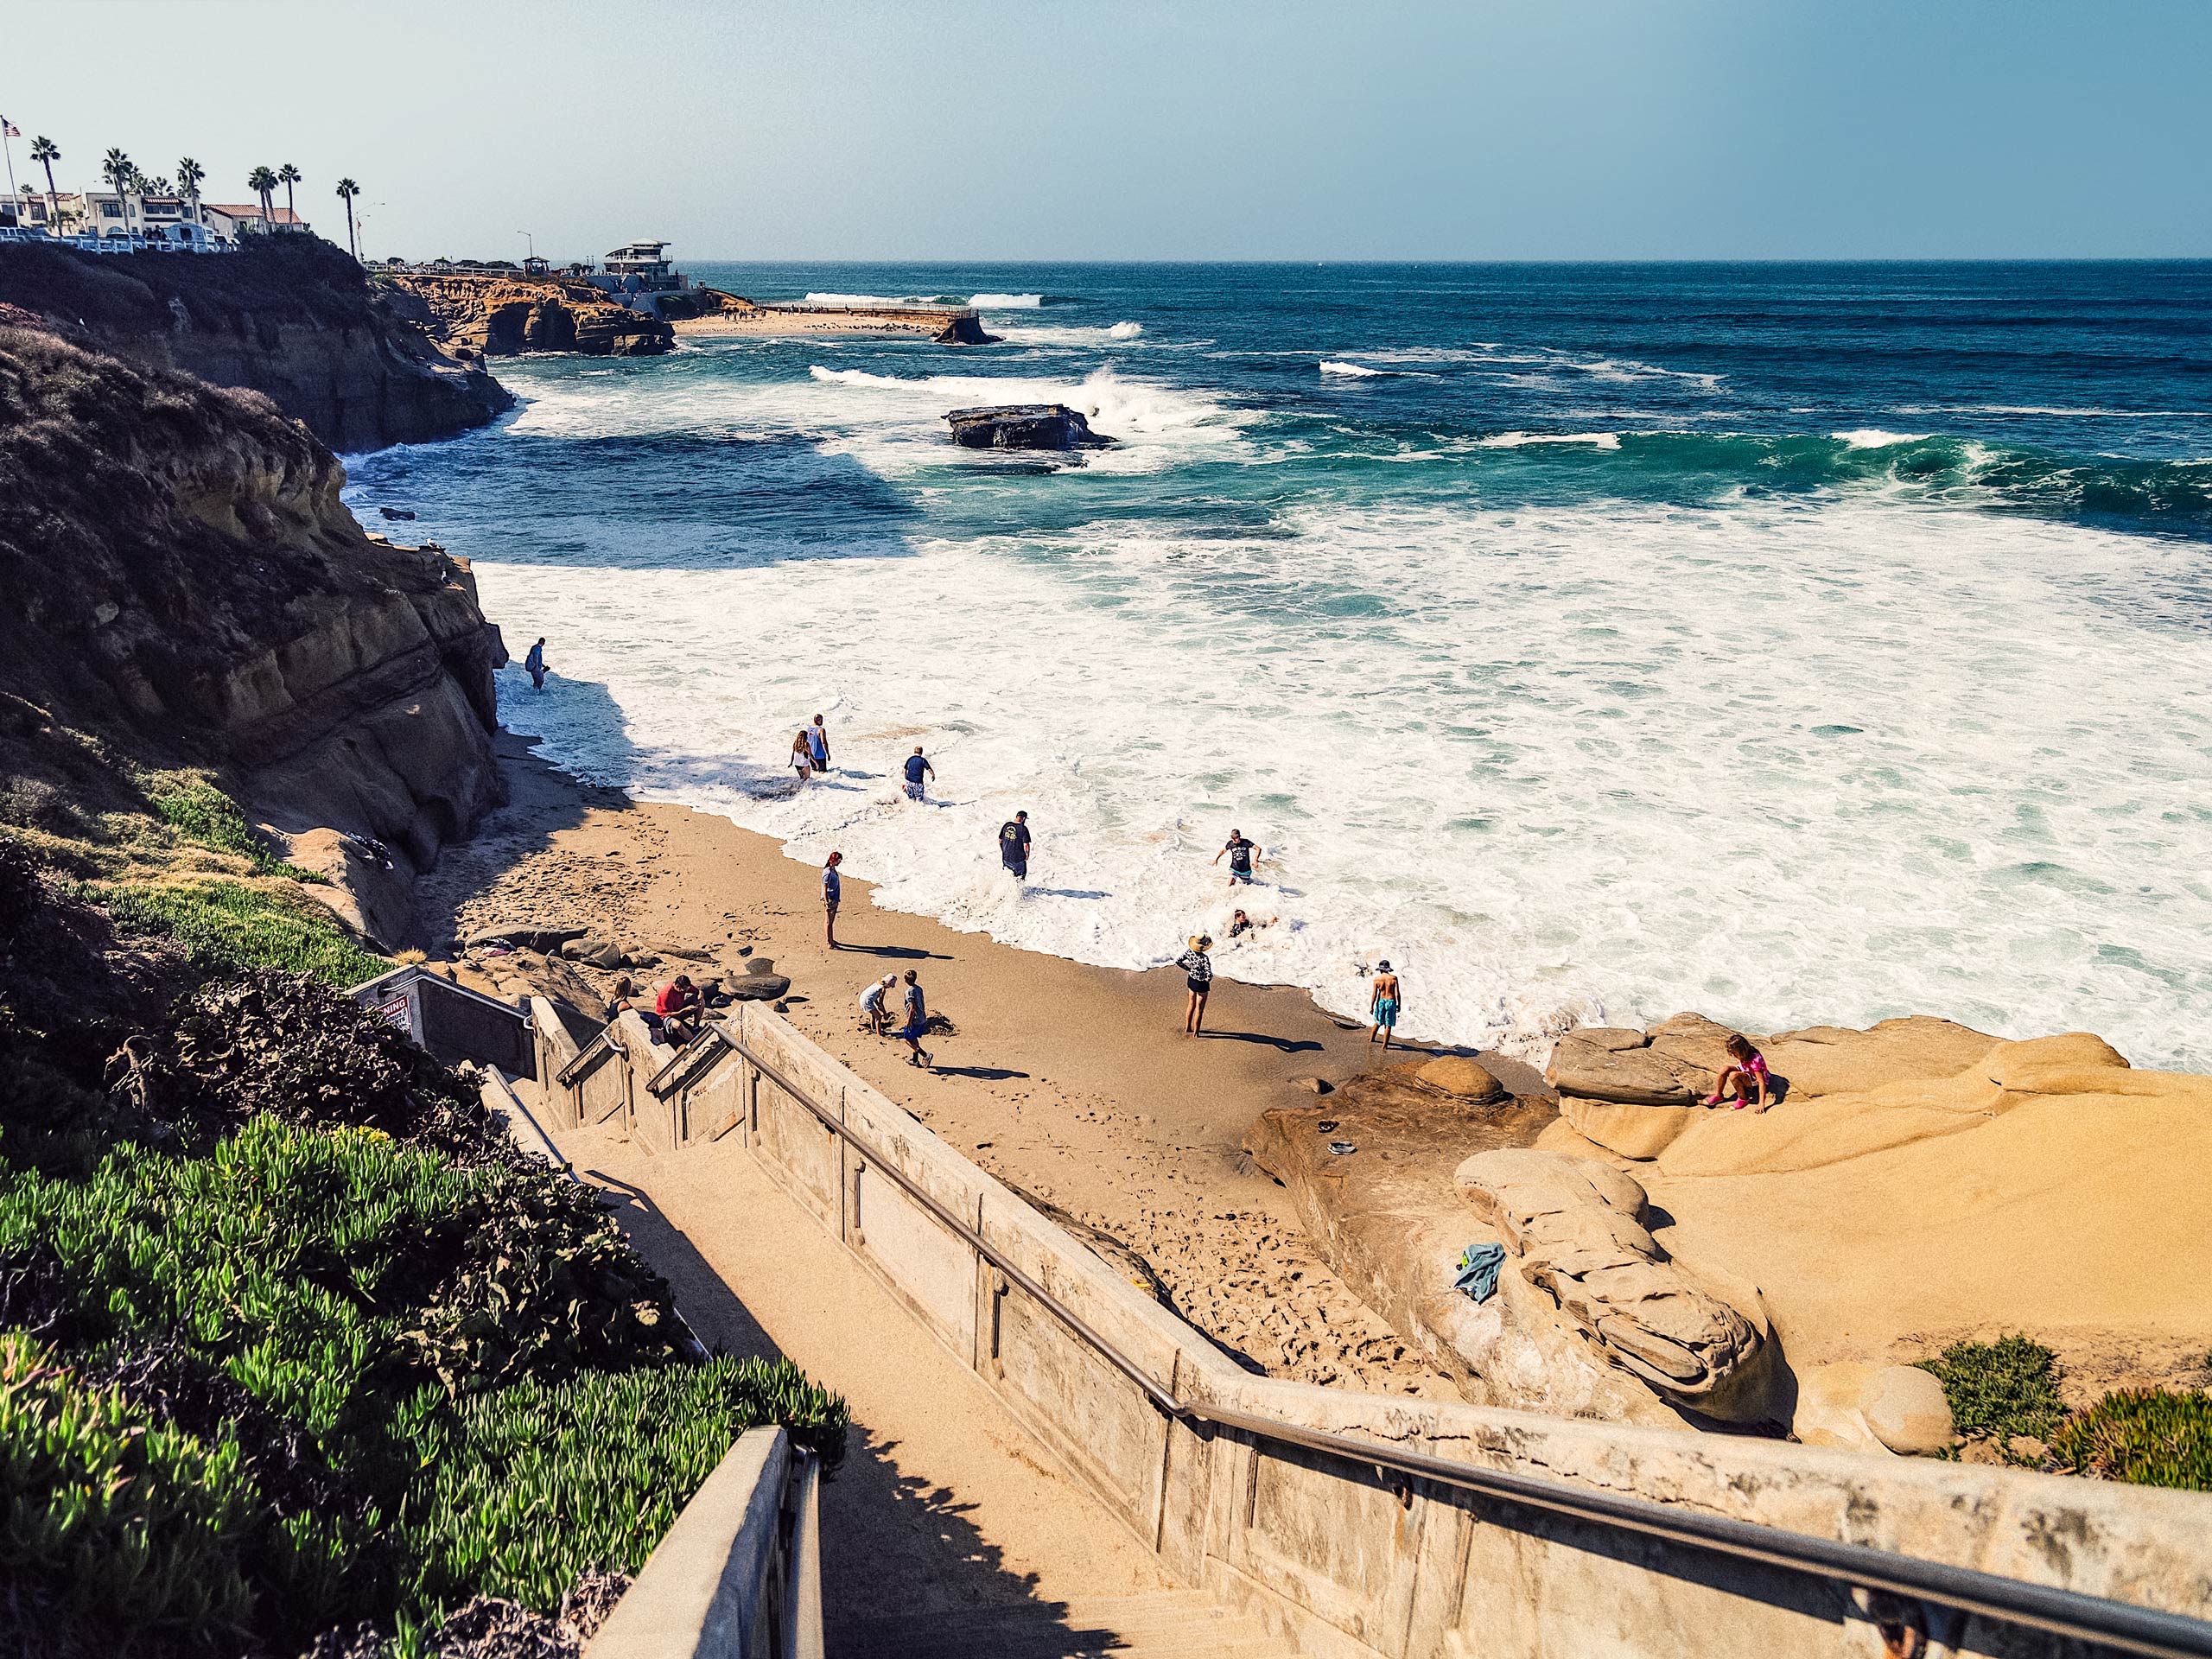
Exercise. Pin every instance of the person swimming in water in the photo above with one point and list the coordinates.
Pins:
(1382, 1004)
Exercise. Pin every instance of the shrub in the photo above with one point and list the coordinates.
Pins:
(526, 1488)
(226, 927)
(303, 1051)
(123, 1525)
(2001, 1389)
(2152, 1437)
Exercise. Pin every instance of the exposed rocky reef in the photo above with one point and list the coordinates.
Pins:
(1024, 426)
(506, 316)
(179, 576)
(288, 316)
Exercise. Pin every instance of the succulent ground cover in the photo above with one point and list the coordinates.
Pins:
(2005, 1394)
(295, 1353)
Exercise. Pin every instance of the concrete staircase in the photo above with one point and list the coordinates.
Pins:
(1167, 1625)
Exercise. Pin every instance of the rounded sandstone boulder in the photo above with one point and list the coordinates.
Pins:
(1905, 1408)
(1455, 1074)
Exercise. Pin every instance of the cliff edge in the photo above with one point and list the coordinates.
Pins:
(291, 317)
(504, 316)
(182, 582)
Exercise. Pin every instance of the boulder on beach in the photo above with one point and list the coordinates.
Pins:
(1024, 426)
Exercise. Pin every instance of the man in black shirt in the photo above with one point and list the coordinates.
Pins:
(1240, 853)
(1014, 845)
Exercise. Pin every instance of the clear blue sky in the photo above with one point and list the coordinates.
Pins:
(1010, 130)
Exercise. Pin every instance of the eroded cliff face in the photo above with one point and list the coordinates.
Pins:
(504, 316)
(178, 574)
(288, 316)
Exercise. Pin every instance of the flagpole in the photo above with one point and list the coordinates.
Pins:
(7, 132)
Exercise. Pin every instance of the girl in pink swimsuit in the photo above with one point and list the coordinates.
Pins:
(1748, 1073)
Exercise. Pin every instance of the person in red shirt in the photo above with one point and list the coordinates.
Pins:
(678, 1007)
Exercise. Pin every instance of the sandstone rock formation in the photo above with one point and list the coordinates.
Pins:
(1575, 1230)
(1024, 426)
(178, 574)
(1388, 1218)
(289, 316)
(1921, 1182)
(504, 316)
(1880, 1408)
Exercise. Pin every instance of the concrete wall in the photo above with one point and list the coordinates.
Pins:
(1348, 1561)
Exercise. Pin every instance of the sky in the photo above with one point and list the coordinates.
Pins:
(1003, 130)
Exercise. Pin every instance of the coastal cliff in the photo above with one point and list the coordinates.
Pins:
(504, 316)
(288, 316)
(184, 586)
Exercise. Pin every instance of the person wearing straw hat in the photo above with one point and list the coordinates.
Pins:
(1197, 978)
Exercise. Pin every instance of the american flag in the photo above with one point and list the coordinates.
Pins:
(10, 129)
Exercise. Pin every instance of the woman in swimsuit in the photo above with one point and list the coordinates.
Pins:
(1747, 1074)
(802, 757)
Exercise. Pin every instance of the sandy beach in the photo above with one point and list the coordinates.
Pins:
(1075, 1082)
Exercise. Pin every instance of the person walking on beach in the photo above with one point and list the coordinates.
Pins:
(917, 768)
(1198, 979)
(833, 892)
(1240, 853)
(918, 1022)
(1014, 845)
(817, 742)
(1382, 1004)
(874, 1013)
(534, 664)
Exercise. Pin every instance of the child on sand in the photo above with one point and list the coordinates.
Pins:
(874, 1013)
(1747, 1074)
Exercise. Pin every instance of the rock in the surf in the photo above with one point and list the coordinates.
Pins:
(1024, 426)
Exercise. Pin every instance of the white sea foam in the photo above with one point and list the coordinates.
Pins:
(1872, 437)
(1006, 302)
(1784, 763)
(1070, 334)
(1353, 370)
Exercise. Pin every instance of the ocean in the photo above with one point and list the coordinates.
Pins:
(1800, 644)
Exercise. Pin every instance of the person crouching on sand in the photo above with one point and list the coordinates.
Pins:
(1747, 1076)
(1382, 1004)
(833, 894)
(875, 1012)
(1198, 979)
(918, 1022)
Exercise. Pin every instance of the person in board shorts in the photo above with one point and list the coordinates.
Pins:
(917, 1021)
(1014, 845)
(817, 741)
(917, 767)
(1240, 853)
(1382, 1004)
(833, 893)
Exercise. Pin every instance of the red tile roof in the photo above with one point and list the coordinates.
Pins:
(252, 210)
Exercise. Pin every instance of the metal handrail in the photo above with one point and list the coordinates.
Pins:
(2071, 1613)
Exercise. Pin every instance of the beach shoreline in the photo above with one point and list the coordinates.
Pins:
(1072, 1082)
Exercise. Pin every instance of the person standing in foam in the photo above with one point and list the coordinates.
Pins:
(817, 741)
(1013, 846)
(917, 767)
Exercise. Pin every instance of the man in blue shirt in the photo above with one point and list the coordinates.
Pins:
(534, 664)
(833, 890)
(917, 767)
(1014, 845)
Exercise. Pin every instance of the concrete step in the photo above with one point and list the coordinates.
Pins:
(1173, 1624)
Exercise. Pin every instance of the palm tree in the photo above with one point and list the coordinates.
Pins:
(347, 191)
(45, 151)
(288, 175)
(189, 175)
(262, 183)
(118, 169)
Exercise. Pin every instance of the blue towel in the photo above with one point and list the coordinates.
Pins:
(1478, 1265)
